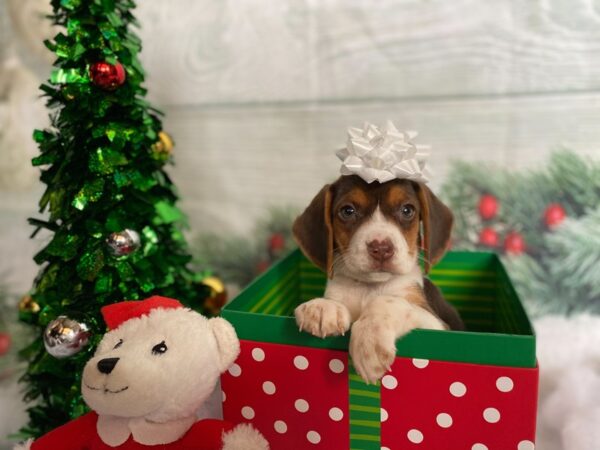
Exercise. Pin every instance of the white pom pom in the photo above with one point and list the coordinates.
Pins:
(244, 437)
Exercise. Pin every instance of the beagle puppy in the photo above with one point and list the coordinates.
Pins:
(367, 238)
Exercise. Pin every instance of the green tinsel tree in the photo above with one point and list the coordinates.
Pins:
(545, 222)
(102, 162)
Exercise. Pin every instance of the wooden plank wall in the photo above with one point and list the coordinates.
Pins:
(258, 93)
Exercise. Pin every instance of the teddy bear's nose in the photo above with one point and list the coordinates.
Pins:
(107, 365)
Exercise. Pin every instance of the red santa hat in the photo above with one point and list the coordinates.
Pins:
(117, 313)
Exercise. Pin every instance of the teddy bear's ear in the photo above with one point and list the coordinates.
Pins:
(227, 342)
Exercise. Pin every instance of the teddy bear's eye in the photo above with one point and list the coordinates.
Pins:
(118, 344)
(159, 349)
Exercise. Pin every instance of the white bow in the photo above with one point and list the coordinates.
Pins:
(383, 154)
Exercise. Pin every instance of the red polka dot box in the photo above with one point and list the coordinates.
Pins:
(447, 390)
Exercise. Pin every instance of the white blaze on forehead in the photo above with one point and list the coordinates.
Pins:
(378, 227)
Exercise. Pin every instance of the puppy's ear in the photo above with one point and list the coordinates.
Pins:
(437, 222)
(228, 343)
(313, 231)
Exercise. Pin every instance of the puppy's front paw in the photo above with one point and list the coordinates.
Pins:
(372, 348)
(322, 317)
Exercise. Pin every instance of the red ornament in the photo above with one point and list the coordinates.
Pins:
(514, 243)
(276, 242)
(488, 237)
(554, 215)
(107, 76)
(488, 207)
(4, 343)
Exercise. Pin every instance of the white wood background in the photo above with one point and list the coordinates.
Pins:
(258, 94)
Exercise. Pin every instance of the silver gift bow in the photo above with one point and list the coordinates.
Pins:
(383, 154)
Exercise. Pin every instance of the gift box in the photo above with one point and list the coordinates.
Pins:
(472, 390)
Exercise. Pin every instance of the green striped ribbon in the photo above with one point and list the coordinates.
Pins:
(365, 412)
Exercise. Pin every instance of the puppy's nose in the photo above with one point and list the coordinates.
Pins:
(107, 365)
(380, 250)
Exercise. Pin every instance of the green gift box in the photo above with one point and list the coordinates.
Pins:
(473, 390)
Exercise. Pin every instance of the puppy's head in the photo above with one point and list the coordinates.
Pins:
(372, 232)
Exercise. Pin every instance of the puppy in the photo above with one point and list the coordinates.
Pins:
(367, 238)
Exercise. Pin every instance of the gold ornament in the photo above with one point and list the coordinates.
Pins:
(162, 148)
(217, 296)
(28, 305)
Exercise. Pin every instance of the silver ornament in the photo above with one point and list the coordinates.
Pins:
(64, 337)
(121, 243)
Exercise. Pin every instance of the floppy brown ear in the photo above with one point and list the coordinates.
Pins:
(437, 222)
(313, 231)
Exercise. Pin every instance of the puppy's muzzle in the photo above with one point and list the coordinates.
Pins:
(380, 251)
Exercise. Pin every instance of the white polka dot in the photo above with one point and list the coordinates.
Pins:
(420, 363)
(313, 437)
(280, 426)
(389, 382)
(504, 384)
(247, 412)
(269, 387)
(301, 405)
(385, 448)
(383, 415)
(479, 446)
(526, 445)
(491, 415)
(300, 362)
(223, 395)
(458, 389)
(444, 420)
(336, 366)
(415, 436)
(336, 414)
(235, 370)
(258, 354)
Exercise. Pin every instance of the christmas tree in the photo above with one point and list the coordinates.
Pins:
(544, 222)
(113, 229)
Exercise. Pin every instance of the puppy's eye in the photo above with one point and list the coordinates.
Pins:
(118, 344)
(347, 212)
(159, 349)
(407, 211)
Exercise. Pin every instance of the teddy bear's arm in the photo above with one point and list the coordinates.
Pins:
(73, 435)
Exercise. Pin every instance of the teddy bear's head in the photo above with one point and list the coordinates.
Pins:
(160, 360)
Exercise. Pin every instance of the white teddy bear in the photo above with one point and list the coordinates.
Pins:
(150, 374)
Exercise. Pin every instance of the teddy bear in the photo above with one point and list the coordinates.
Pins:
(152, 370)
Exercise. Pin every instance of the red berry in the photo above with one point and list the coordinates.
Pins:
(488, 237)
(4, 343)
(262, 266)
(488, 207)
(554, 215)
(276, 242)
(514, 243)
(107, 76)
